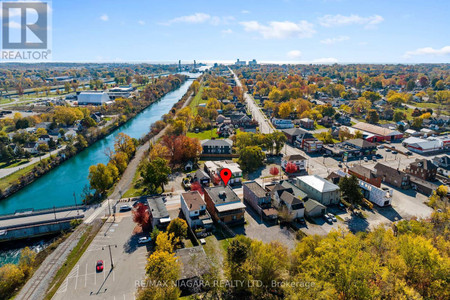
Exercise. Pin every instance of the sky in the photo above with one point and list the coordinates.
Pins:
(303, 31)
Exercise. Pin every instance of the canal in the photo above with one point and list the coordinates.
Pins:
(57, 187)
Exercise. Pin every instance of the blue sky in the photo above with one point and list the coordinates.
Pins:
(396, 31)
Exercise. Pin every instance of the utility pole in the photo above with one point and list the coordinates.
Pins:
(110, 254)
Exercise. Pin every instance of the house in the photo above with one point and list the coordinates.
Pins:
(365, 174)
(202, 178)
(69, 134)
(296, 159)
(32, 147)
(224, 205)
(376, 133)
(443, 161)
(344, 120)
(44, 125)
(392, 176)
(422, 168)
(307, 123)
(93, 98)
(286, 195)
(194, 264)
(214, 146)
(319, 189)
(314, 208)
(294, 205)
(225, 130)
(213, 168)
(221, 119)
(194, 210)
(326, 121)
(292, 134)
(239, 119)
(44, 138)
(159, 216)
(259, 199)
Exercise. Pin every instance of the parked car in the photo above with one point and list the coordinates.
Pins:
(408, 153)
(388, 150)
(381, 147)
(186, 184)
(374, 158)
(365, 159)
(394, 152)
(301, 220)
(144, 240)
(125, 208)
(99, 266)
(332, 217)
(340, 165)
(342, 206)
(327, 219)
(379, 156)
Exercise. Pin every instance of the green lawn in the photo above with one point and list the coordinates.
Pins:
(204, 135)
(5, 101)
(135, 190)
(318, 126)
(426, 105)
(10, 179)
(15, 164)
(196, 101)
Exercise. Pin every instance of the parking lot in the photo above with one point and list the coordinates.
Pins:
(129, 259)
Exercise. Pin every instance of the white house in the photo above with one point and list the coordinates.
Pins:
(32, 148)
(214, 167)
(194, 209)
(297, 159)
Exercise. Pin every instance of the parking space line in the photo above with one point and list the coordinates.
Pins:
(76, 278)
(85, 276)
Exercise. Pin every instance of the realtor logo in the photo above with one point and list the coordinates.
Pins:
(25, 27)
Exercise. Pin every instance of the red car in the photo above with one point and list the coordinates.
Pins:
(99, 266)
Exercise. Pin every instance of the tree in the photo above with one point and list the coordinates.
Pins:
(399, 116)
(371, 96)
(284, 110)
(372, 116)
(155, 173)
(350, 189)
(325, 137)
(120, 160)
(440, 85)
(100, 177)
(251, 158)
(178, 227)
(274, 171)
(291, 168)
(196, 186)
(195, 87)
(178, 128)
(11, 276)
(124, 143)
(279, 139)
(417, 123)
(141, 215)
(41, 131)
(43, 147)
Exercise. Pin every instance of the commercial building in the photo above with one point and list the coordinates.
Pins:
(319, 189)
(374, 133)
(365, 174)
(224, 205)
(93, 98)
(393, 176)
(259, 199)
(422, 168)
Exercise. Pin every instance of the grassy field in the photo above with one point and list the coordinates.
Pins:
(5, 101)
(10, 179)
(135, 190)
(15, 164)
(196, 101)
(204, 135)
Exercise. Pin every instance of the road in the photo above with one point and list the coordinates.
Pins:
(8, 171)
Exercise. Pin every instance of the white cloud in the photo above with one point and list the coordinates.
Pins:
(335, 40)
(280, 30)
(340, 20)
(227, 31)
(294, 54)
(104, 17)
(199, 18)
(325, 60)
(140, 22)
(245, 11)
(429, 51)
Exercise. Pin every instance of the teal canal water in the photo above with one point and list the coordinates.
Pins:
(57, 187)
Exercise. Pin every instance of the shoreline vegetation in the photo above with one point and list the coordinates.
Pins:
(127, 109)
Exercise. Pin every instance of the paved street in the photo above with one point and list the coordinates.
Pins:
(129, 260)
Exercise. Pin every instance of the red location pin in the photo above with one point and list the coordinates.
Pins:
(225, 174)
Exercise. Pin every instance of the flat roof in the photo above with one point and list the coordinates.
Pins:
(318, 183)
(231, 206)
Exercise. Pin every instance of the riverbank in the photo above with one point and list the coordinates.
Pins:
(58, 188)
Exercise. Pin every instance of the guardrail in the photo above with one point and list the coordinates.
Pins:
(34, 212)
